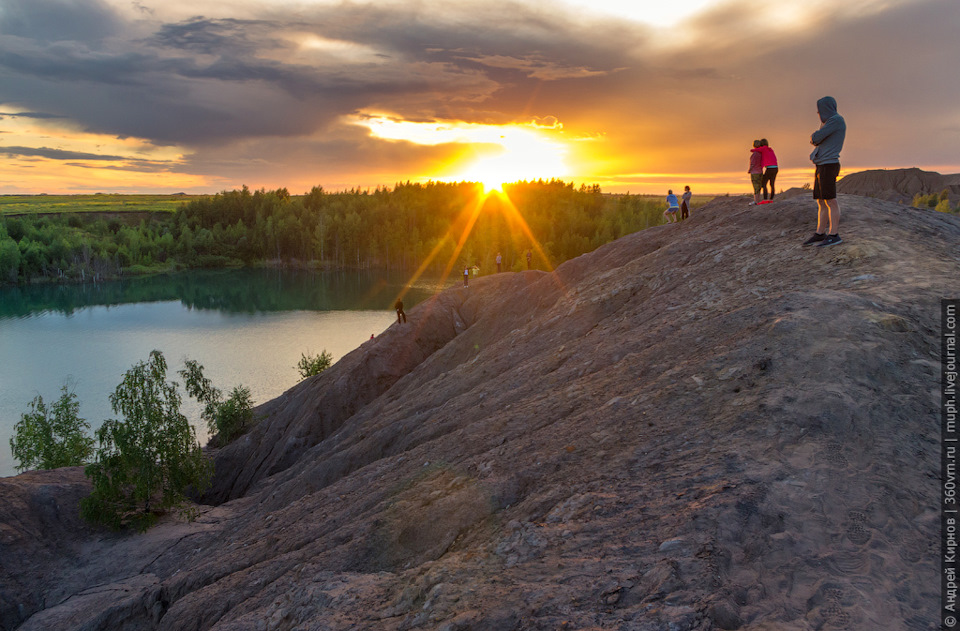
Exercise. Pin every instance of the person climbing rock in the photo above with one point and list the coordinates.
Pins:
(673, 206)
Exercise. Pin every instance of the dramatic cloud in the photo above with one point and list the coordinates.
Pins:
(269, 94)
(55, 154)
(29, 115)
(58, 20)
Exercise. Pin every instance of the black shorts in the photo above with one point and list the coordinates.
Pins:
(825, 181)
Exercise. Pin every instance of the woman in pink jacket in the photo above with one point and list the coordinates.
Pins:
(769, 162)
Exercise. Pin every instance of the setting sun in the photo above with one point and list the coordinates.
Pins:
(495, 154)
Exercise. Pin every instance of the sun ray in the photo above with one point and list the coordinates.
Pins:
(469, 216)
(515, 216)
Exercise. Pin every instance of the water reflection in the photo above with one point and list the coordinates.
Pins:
(245, 327)
(229, 291)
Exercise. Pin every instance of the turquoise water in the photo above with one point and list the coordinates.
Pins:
(246, 327)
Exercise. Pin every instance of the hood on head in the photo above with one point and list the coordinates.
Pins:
(826, 107)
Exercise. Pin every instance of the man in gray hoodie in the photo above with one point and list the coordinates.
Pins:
(827, 142)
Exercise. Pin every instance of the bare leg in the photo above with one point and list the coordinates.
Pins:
(823, 216)
(834, 215)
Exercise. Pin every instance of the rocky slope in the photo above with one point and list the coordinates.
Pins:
(699, 426)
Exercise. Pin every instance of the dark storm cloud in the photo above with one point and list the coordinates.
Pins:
(218, 37)
(136, 166)
(503, 30)
(40, 115)
(167, 85)
(58, 20)
(28, 61)
(55, 154)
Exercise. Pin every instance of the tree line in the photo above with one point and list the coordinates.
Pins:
(398, 228)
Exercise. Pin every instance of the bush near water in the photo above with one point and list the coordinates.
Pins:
(148, 460)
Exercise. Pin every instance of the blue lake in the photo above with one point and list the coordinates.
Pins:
(246, 327)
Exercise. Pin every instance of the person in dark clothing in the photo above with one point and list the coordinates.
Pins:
(529, 258)
(685, 203)
(466, 276)
(401, 316)
(827, 142)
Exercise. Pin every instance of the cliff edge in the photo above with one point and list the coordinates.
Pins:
(698, 426)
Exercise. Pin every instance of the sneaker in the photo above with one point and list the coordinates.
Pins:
(816, 238)
(832, 239)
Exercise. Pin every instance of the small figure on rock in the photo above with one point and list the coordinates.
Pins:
(685, 203)
(673, 205)
(401, 316)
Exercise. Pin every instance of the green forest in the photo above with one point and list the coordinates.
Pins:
(433, 224)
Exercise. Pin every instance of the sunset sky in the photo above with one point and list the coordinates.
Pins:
(200, 96)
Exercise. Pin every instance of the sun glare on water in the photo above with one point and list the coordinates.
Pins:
(499, 153)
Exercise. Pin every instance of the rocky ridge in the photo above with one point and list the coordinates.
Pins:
(698, 426)
(900, 185)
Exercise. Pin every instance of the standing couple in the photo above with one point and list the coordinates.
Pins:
(827, 142)
(763, 169)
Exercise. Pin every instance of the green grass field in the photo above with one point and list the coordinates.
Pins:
(19, 205)
(100, 203)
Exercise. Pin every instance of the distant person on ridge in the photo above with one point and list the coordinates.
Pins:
(672, 207)
(499, 261)
(466, 275)
(756, 171)
(828, 142)
(529, 258)
(770, 169)
(401, 316)
(685, 203)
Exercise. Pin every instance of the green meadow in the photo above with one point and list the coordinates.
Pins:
(96, 203)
